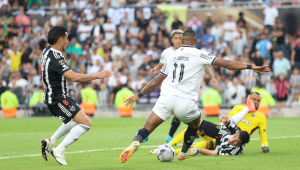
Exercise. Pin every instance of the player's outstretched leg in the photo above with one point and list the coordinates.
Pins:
(84, 124)
(151, 123)
(47, 144)
(174, 126)
(189, 138)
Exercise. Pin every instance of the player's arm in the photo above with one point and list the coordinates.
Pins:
(263, 135)
(152, 85)
(208, 152)
(157, 68)
(76, 77)
(234, 65)
(229, 124)
(210, 73)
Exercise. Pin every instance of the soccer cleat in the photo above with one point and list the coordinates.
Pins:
(190, 153)
(46, 148)
(128, 152)
(169, 139)
(250, 104)
(153, 151)
(146, 139)
(59, 157)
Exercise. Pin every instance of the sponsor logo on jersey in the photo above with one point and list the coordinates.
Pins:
(61, 62)
(247, 122)
(207, 57)
(72, 108)
(65, 67)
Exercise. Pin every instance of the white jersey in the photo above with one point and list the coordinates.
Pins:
(184, 70)
(165, 54)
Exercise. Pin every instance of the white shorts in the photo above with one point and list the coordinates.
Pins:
(186, 110)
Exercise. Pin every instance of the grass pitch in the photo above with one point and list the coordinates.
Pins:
(103, 144)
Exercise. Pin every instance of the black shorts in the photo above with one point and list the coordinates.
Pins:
(283, 99)
(210, 129)
(65, 110)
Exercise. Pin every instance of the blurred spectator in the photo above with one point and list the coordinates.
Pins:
(15, 57)
(114, 92)
(22, 20)
(35, 27)
(241, 21)
(282, 86)
(84, 31)
(74, 47)
(17, 90)
(133, 69)
(208, 23)
(264, 46)
(295, 55)
(229, 28)
(295, 81)
(127, 22)
(132, 33)
(89, 99)
(279, 35)
(266, 97)
(194, 21)
(55, 18)
(138, 58)
(249, 78)
(37, 97)
(217, 31)
(208, 38)
(2, 88)
(141, 21)
(122, 95)
(103, 96)
(236, 93)
(238, 45)
(109, 29)
(13, 28)
(177, 23)
(211, 97)
(61, 6)
(281, 65)
(254, 32)
(72, 61)
(270, 13)
(9, 99)
(72, 31)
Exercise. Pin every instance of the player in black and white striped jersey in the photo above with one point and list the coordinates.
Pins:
(55, 72)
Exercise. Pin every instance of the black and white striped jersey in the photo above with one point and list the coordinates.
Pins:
(53, 67)
(225, 134)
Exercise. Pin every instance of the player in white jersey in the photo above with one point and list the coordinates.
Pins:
(176, 40)
(180, 77)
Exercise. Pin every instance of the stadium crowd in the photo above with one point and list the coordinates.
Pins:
(133, 46)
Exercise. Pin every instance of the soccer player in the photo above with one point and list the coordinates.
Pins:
(55, 72)
(180, 77)
(250, 122)
(176, 40)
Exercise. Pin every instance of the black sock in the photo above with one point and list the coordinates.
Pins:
(141, 135)
(174, 126)
(189, 137)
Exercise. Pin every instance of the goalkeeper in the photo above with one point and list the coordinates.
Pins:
(250, 122)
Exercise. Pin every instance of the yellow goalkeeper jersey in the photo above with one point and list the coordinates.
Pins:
(251, 122)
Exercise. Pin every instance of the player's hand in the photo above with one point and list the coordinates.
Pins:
(260, 69)
(131, 100)
(215, 82)
(152, 71)
(224, 119)
(104, 73)
(250, 104)
(265, 149)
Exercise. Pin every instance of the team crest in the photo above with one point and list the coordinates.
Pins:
(61, 62)
(218, 127)
(72, 108)
(253, 115)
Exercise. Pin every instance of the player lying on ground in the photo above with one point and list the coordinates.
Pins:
(55, 72)
(176, 40)
(250, 123)
(180, 77)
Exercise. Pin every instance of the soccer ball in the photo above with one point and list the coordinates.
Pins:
(165, 153)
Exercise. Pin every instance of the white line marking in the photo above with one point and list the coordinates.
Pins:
(153, 146)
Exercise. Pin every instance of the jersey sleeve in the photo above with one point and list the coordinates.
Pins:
(232, 127)
(164, 69)
(162, 58)
(234, 111)
(207, 58)
(59, 66)
(231, 151)
(263, 131)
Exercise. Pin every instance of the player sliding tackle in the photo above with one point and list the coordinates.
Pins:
(250, 122)
(180, 77)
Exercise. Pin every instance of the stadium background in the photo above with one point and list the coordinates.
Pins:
(134, 44)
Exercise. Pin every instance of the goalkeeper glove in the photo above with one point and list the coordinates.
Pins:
(265, 149)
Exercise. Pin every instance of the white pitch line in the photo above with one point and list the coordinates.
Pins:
(153, 146)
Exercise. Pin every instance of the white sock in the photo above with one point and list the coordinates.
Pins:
(62, 131)
(239, 116)
(74, 135)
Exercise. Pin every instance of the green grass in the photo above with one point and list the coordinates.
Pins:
(22, 136)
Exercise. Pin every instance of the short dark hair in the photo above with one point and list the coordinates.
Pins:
(189, 33)
(244, 137)
(55, 33)
(241, 13)
(255, 92)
